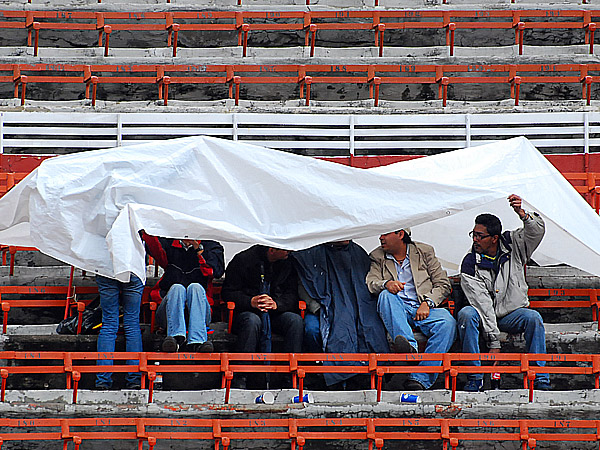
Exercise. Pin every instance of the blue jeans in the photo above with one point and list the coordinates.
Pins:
(128, 295)
(439, 328)
(171, 312)
(312, 334)
(521, 320)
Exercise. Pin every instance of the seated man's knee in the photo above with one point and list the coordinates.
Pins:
(386, 300)
(311, 324)
(468, 315)
(176, 289)
(196, 288)
(250, 321)
(448, 323)
(294, 321)
(385, 296)
(532, 317)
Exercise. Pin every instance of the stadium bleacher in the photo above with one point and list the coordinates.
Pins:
(75, 77)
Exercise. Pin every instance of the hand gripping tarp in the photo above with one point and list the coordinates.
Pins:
(85, 209)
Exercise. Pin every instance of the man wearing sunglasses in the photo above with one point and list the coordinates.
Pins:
(493, 281)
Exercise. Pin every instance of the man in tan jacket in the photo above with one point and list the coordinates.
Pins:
(411, 284)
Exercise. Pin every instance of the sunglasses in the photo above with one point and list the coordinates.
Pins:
(478, 236)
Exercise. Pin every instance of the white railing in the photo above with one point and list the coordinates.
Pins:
(313, 134)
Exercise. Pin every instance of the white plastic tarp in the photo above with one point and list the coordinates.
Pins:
(512, 166)
(85, 209)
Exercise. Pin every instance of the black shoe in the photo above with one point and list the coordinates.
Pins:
(172, 344)
(133, 385)
(542, 385)
(474, 386)
(401, 345)
(102, 387)
(413, 385)
(205, 347)
(238, 382)
(200, 347)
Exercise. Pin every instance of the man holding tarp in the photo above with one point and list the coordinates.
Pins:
(493, 280)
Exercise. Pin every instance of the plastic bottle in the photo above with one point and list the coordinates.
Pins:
(158, 382)
(495, 380)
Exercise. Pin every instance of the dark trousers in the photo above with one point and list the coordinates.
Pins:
(247, 325)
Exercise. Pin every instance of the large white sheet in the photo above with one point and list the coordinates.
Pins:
(512, 166)
(85, 209)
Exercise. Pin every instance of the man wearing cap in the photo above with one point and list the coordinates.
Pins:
(411, 284)
(492, 276)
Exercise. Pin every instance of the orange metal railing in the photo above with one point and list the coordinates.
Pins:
(375, 76)
(243, 23)
(74, 364)
(373, 431)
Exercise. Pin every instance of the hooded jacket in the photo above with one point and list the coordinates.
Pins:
(496, 295)
(184, 266)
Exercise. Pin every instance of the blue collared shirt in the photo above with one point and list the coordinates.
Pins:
(409, 293)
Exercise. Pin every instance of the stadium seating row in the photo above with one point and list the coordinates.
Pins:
(299, 432)
(74, 364)
(309, 22)
(375, 2)
(373, 75)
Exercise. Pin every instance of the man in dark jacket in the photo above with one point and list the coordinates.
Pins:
(190, 266)
(263, 284)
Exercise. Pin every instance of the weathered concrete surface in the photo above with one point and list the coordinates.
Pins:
(280, 5)
(335, 405)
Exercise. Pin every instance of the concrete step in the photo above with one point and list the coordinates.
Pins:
(208, 404)
(362, 400)
(297, 106)
(299, 54)
(292, 4)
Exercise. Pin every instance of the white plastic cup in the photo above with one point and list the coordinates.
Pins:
(267, 398)
(306, 398)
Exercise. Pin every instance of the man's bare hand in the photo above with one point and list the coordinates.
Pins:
(422, 312)
(263, 303)
(394, 286)
(516, 203)
(494, 350)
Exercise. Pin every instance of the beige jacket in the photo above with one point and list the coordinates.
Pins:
(431, 281)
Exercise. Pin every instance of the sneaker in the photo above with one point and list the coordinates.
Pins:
(172, 344)
(401, 345)
(413, 385)
(135, 385)
(102, 387)
(542, 385)
(474, 386)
